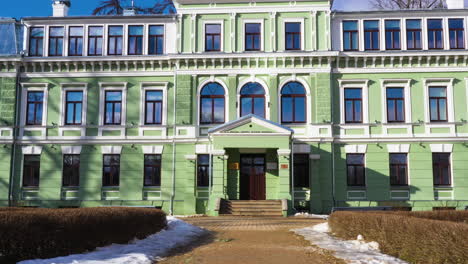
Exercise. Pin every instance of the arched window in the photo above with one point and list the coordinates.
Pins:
(293, 103)
(252, 100)
(212, 104)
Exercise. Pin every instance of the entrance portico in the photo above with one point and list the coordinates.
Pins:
(251, 159)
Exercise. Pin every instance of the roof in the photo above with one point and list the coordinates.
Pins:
(107, 17)
(246, 118)
(184, 2)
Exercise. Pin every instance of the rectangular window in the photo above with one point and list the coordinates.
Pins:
(203, 166)
(152, 170)
(356, 169)
(457, 33)
(392, 34)
(56, 41)
(75, 41)
(73, 107)
(253, 32)
(301, 170)
(31, 170)
(153, 107)
(371, 35)
(438, 104)
(113, 108)
(156, 40)
(213, 37)
(353, 105)
(36, 41)
(135, 40)
(441, 169)
(115, 40)
(95, 36)
(71, 170)
(111, 170)
(413, 34)
(435, 34)
(395, 104)
(34, 108)
(293, 35)
(399, 169)
(350, 36)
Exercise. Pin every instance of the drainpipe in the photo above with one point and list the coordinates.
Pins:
(210, 165)
(332, 86)
(292, 174)
(13, 145)
(171, 212)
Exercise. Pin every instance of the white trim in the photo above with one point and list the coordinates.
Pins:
(202, 149)
(153, 149)
(31, 150)
(81, 87)
(398, 148)
(112, 86)
(213, 79)
(294, 20)
(27, 87)
(397, 83)
(71, 149)
(448, 83)
(253, 79)
(355, 149)
(400, 198)
(441, 148)
(111, 149)
(355, 83)
(283, 152)
(301, 148)
(262, 33)
(309, 100)
(212, 21)
(153, 86)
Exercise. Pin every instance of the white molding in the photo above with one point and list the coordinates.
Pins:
(191, 157)
(66, 87)
(294, 20)
(111, 149)
(153, 149)
(448, 83)
(71, 149)
(203, 36)
(441, 148)
(262, 32)
(112, 86)
(278, 129)
(31, 150)
(284, 152)
(397, 83)
(152, 86)
(202, 149)
(40, 87)
(218, 152)
(398, 148)
(355, 83)
(355, 149)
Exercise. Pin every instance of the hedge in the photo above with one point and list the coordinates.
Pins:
(412, 239)
(453, 216)
(47, 233)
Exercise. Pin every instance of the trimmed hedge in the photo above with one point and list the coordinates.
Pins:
(413, 239)
(47, 233)
(453, 216)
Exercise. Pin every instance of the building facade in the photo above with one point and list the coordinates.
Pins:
(238, 100)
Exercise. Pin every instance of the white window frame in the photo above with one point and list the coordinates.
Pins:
(146, 51)
(226, 100)
(445, 82)
(78, 87)
(209, 21)
(44, 40)
(358, 24)
(262, 32)
(294, 20)
(397, 83)
(153, 86)
(355, 83)
(34, 87)
(112, 86)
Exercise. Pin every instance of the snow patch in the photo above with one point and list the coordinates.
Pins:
(352, 251)
(307, 215)
(145, 251)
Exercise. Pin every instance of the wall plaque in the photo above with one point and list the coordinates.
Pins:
(234, 166)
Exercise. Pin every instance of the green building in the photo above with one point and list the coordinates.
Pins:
(230, 100)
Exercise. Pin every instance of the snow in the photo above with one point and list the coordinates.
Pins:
(145, 251)
(352, 251)
(307, 215)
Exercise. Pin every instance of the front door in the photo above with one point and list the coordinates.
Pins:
(252, 177)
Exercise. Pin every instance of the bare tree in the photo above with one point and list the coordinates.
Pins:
(116, 7)
(407, 4)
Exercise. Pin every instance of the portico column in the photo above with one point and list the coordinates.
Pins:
(218, 179)
(284, 188)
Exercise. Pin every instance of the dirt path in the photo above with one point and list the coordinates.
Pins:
(251, 241)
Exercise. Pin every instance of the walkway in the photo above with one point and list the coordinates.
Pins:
(235, 240)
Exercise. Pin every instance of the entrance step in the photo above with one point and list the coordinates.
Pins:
(251, 208)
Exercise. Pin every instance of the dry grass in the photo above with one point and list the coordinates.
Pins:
(410, 238)
(46, 233)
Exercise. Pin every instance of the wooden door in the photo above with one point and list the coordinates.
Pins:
(252, 181)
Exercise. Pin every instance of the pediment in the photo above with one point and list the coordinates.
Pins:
(251, 124)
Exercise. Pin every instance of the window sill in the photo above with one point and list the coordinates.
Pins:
(30, 188)
(443, 187)
(151, 188)
(357, 188)
(398, 188)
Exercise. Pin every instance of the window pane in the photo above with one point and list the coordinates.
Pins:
(252, 88)
(392, 24)
(115, 31)
(413, 24)
(259, 107)
(219, 110)
(154, 95)
(95, 31)
(391, 110)
(398, 159)
(455, 23)
(212, 89)
(75, 96)
(395, 93)
(443, 110)
(76, 31)
(287, 108)
(156, 30)
(135, 30)
(246, 106)
(293, 88)
(37, 32)
(113, 96)
(371, 25)
(56, 31)
(349, 111)
(353, 93)
(213, 28)
(355, 159)
(350, 25)
(434, 23)
(206, 107)
(437, 92)
(300, 111)
(293, 27)
(253, 28)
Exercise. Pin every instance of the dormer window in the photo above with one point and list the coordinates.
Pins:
(213, 37)
(115, 40)
(36, 41)
(95, 37)
(135, 40)
(56, 41)
(156, 40)
(75, 41)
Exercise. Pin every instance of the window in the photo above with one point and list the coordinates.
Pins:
(438, 104)
(441, 169)
(371, 35)
(203, 167)
(293, 36)
(434, 34)
(213, 37)
(293, 103)
(350, 36)
(115, 40)
(457, 33)
(111, 170)
(392, 34)
(95, 41)
(34, 108)
(36, 41)
(152, 170)
(399, 169)
(301, 170)
(253, 33)
(212, 104)
(56, 41)
(156, 40)
(413, 34)
(73, 107)
(356, 170)
(71, 170)
(113, 108)
(31, 170)
(252, 99)
(395, 105)
(135, 40)
(153, 107)
(75, 41)
(353, 105)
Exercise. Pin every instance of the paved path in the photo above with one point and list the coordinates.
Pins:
(235, 240)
